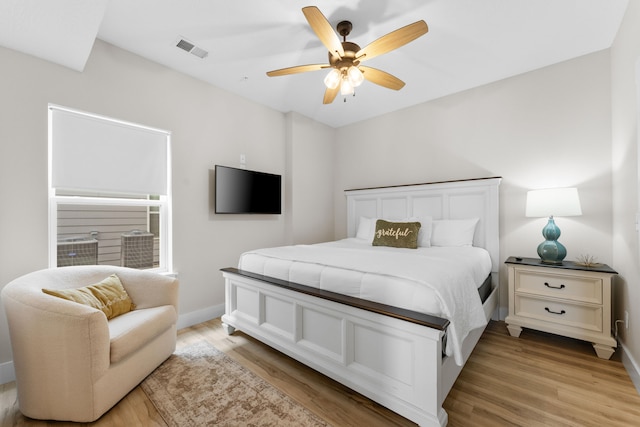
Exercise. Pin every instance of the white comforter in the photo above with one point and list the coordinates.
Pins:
(441, 281)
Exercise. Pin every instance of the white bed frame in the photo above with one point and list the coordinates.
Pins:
(392, 358)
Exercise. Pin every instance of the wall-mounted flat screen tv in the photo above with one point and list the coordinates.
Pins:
(242, 191)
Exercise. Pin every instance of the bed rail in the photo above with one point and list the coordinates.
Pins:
(387, 310)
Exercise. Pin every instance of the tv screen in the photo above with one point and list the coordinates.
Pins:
(241, 191)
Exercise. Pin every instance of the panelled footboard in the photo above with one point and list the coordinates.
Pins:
(393, 361)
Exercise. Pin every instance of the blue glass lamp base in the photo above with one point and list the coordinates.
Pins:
(551, 251)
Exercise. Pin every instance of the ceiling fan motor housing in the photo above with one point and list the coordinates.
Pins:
(347, 60)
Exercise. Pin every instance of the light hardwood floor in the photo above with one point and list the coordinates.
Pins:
(536, 380)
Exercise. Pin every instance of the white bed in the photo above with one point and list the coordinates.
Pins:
(439, 281)
(371, 321)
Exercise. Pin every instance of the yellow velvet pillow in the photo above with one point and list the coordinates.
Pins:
(109, 296)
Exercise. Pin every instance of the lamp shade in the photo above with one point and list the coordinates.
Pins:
(355, 76)
(332, 80)
(346, 88)
(553, 202)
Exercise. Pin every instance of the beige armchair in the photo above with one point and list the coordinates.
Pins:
(71, 363)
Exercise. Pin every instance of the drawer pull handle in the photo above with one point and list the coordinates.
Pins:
(553, 287)
(561, 312)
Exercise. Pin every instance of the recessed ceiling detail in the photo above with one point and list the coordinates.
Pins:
(59, 31)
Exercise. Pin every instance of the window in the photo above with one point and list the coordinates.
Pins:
(109, 192)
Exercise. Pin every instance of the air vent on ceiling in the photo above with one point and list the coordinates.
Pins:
(191, 48)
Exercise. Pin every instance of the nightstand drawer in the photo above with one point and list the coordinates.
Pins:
(585, 317)
(577, 288)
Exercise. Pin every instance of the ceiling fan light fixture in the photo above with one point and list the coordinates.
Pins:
(355, 76)
(346, 87)
(332, 80)
(345, 56)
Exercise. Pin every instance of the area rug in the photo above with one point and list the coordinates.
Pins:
(201, 386)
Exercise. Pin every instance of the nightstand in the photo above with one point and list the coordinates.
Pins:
(567, 299)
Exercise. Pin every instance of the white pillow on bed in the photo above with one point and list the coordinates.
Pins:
(453, 232)
(367, 229)
(426, 228)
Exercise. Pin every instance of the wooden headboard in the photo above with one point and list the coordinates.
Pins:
(474, 198)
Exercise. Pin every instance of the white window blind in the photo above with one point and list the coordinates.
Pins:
(92, 153)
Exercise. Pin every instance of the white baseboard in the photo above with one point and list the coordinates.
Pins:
(199, 316)
(631, 366)
(8, 373)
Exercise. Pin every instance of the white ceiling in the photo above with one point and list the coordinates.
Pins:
(469, 43)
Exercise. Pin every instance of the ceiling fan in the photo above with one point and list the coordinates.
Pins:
(345, 57)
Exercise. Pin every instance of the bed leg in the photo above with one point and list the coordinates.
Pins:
(228, 329)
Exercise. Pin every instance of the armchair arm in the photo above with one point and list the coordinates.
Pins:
(60, 348)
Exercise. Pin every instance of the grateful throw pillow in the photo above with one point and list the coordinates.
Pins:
(108, 296)
(396, 234)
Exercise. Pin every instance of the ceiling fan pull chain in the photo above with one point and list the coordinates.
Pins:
(353, 95)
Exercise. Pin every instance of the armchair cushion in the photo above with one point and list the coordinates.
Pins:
(131, 331)
(108, 296)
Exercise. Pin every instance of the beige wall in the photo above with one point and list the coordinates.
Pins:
(625, 59)
(310, 166)
(550, 127)
(208, 125)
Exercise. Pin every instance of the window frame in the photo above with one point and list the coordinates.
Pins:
(163, 203)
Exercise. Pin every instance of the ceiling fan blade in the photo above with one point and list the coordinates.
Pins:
(330, 95)
(381, 78)
(392, 41)
(297, 69)
(323, 30)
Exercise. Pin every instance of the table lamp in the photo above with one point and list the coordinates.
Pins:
(547, 203)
